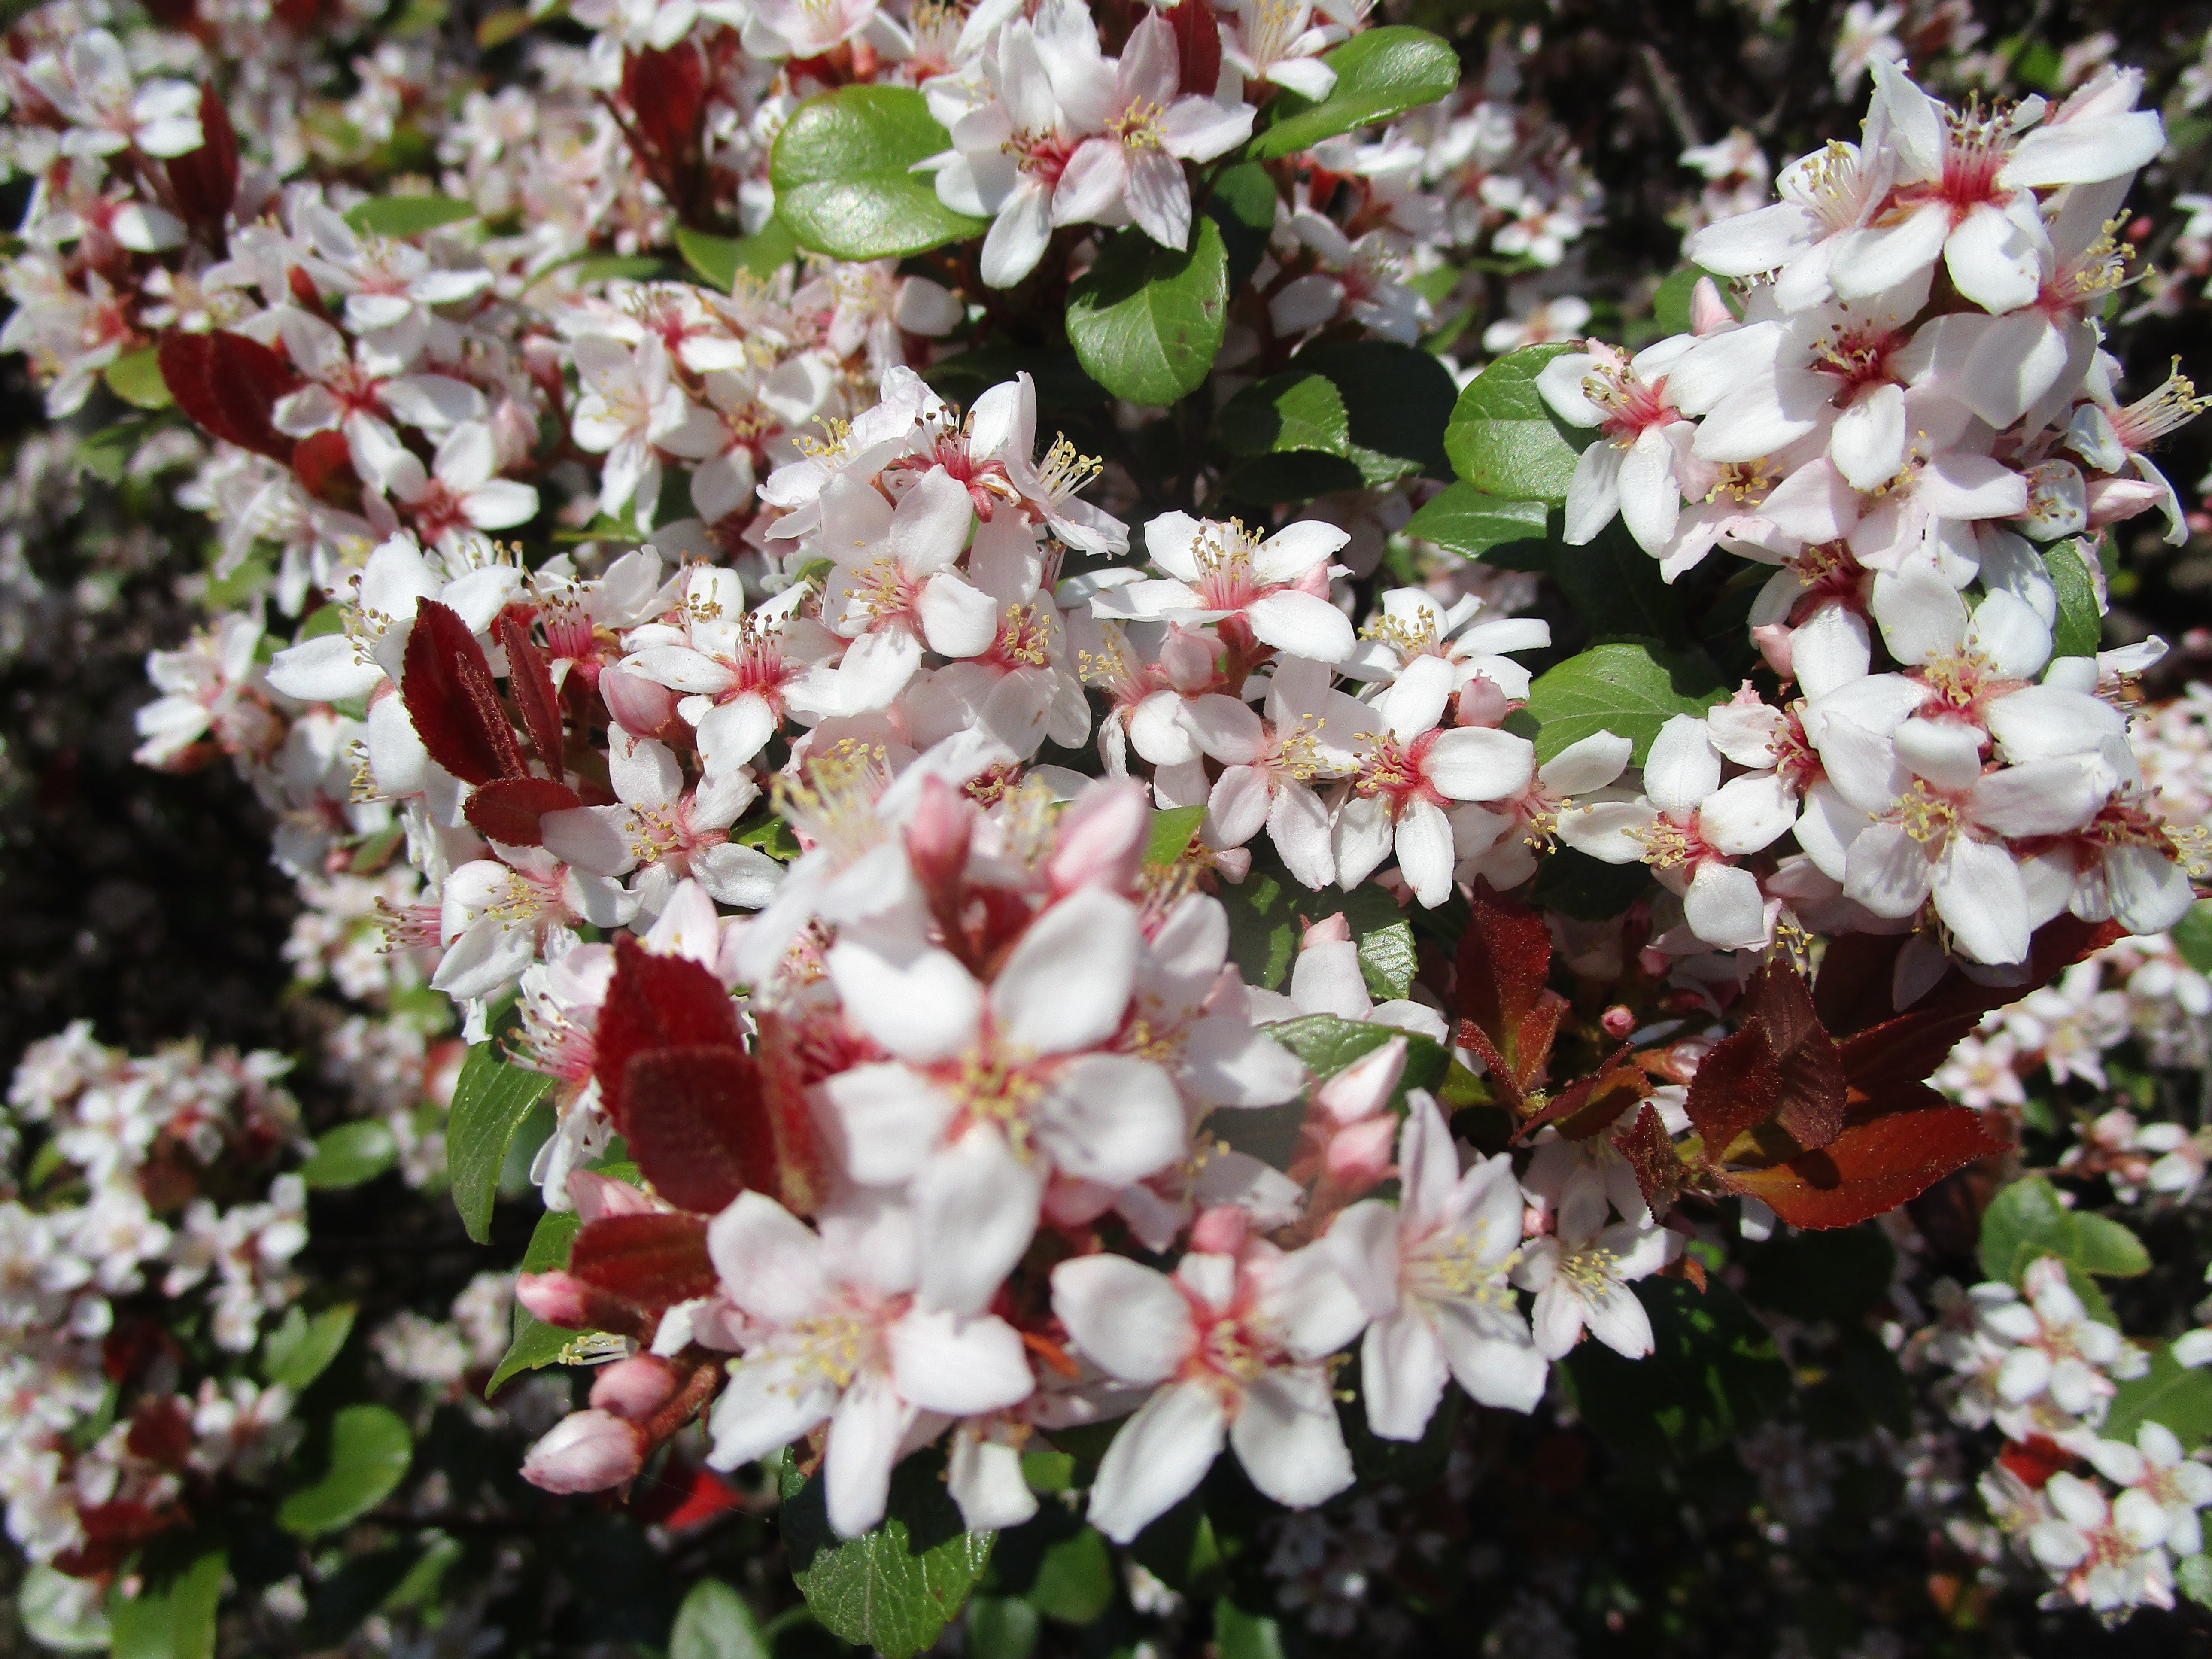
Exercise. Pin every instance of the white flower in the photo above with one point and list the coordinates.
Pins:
(1581, 1276)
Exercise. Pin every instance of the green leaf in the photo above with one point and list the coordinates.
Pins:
(1002, 1628)
(1671, 304)
(406, 216)
(1380, 74)
(2192, 936)
(2178, 1395)
(2026, 1222)
(841, 170)
(1240, 1634)
(369, 1450)
(1714, 1373)
(350, 1155)
(108, 452)
(137, 379)
(1060, 382)
(894, 1588)
(173, 1617)
(1503, 437)
(773, 836)
(1294, 410)
(1329, 1044)
(2080, 628)
(301, 1349)
(536, 1344)
(1075, 1581)
(489, 1103)
(1575, 884)
(611, 267)
(1466, 521)
(1145, 321)
(1172, 828)
(715, 1622)
(1616, 589)
(1398, 400)
(2192, 1577)
(1263, 924)
(1626, 688)
(720, 258)
(1242, 204)
(1386, 961)
(48, 1603)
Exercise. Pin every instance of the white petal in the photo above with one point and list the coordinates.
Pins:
(1128, 1319)
(1286, 1436)
(1157, 1459)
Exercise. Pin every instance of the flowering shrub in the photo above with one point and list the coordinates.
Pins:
(1124, 859)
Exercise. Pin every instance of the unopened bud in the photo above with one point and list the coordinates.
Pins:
(559, 1298)
(936, 836)
(1101, 838)
(1483, 702)
(1617, 1021)
(1360, 1156)
(597, 1197)
(1773, 641)
(641, 706)
(635, 1388)
(1187, 659)
(1708, 310)
(1221, 1231)
(1329, 930)
(2112, 500)
(1364, 1087)
(585, 1451)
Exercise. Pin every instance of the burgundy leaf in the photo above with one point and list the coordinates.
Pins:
(1781, 1066)
(324, 462)
(1504, 962)
(1870, 1168)
(656, 1002)
(205, 181)
(230, 384)
(1650, 1152)
(451, 698)
(1198, 39)
(507, 809)
(531, 682)
(650, 1261)
(698, 1124)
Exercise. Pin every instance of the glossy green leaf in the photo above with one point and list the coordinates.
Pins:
(1381, 73)
(621, 267)
(894, 1588)
(2080, 628)
(489, 1103)
(536, 1344)
(1463, 519)
(1002, 1628)
(369, 1450)
(1172, 828)
(2180, 1396)
(1715, 1372)
(1575, 884)
(48, 1602)
(720, 258)
(137, 379)
(1616, 589)
(2192, 936)
(1328, 1045)
(1075, 1581)
(1146, 321)
(1263, 924)
(1297, 410)
(1386, 961)
(844, 184)
(2192, 1577)
(1242, 204)
(407, 216)
(2026, 1222)
(1502, 438)
(172, 1616)
(715, 1622)
(1397, 401)
(301, 1349)
(350, 1155)
(1626, 688)
(1241, 1634)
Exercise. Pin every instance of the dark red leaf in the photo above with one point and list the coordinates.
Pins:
(653, 1261)
(532, 682)
(656, 1002)
(230, 384)
(324, 462)
(1650, 1152)
(451, 698)
(2036, 1459)
(506, 810)
(1780, 1066)
(1504, 962)
(1594, 1103)
(1870, 1168)
(205, 181)
(683, 1495)
(801, 1182)
(698, 1125)
(1198, 38)
(1735, 1089)
(160, 1432)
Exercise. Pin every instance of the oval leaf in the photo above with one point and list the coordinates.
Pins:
(1502, 437)
(1146, 321)
(301, 1349)
(715, 1622)
(137, 379)
(489, 1103)
(1380, 74)
(407, 216)
(1466, 521)
(841, 168)
(1629, 689)
(350, 1154)
(369, 1450)
(894, 1588)
(1397, 401)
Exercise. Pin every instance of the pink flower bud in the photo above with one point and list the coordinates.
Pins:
(1220, 1230)
(585, 1451)
(1360, 1156)
(1617, 1021)
(2112, 500)
(597, 1197)
(1101, 838)
(556, 1297)
(1773, 641)
(936, 836)
(1364, 1087)
(641, 706)
(1707, 311)
(1329, 930)
(633, 1389)
(1483, 702)
(1187, 659)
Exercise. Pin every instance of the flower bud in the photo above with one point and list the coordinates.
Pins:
(936, 836)
(1617, 1021)
(1360, 1156)
(1329, 930)
(585, 1451)
(1101, 838)
(1364, 1088)
(641, 706)
(1773, 641)
(1220, 1230)
(1708, 310)
(633, 1389)
(556, 1297)
(1483, 702)
(597, 1197)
